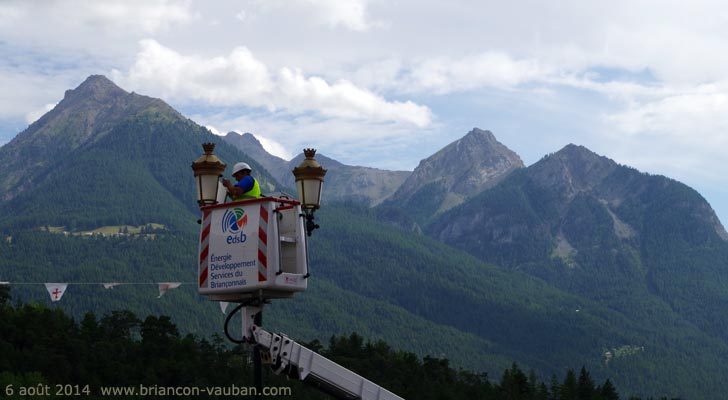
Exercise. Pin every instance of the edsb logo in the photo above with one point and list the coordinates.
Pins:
(233, 222)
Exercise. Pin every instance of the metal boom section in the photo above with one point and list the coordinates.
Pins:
(298, 362)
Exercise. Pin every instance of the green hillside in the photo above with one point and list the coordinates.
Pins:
(385, 285)
(345, 292)
(139, 173)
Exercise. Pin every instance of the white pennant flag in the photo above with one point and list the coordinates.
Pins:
(223, 306)
(110, 285)
(163, 287)
(56, 290)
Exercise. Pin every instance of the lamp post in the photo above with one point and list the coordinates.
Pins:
(208, 170)
(309, 180)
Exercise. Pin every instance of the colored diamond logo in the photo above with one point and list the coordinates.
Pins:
(234, 220)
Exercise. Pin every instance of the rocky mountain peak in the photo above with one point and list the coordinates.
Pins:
(475, 143)
(477, 135)
(92, 106)
(575, 168)
(97, 87)
(247, 142)
(578, 154)
(251, 146)
(85, 114)
(246, 138)
(465, 167)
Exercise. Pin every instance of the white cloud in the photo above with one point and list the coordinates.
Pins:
(214, 130)
(149, 16)
(10, 12)
(680, 132)
(348, 14)
(345, 100)
(498, 70)
(273, 147)
(241, 79)
(683, 134)
(697, 113)
(238, 78)
(489, 69)
(351, 14)
(36, 114)
(25, 94)
(98, 33)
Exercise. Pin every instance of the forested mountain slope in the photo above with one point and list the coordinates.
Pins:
(604, 231)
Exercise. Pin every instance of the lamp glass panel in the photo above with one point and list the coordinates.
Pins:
(318, 194)
(312, 188)
(209, 188)
(198, 186)
(301, 194)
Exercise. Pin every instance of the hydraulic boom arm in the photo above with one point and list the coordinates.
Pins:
(298, 362)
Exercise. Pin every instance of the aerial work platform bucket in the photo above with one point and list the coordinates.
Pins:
(252, 249)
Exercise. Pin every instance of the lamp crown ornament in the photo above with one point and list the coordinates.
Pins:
(310, 161)
(208, 160)
(208, 148)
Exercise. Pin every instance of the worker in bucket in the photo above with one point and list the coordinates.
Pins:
(247, 186)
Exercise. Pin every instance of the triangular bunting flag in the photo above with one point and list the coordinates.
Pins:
(163, 287)
(56, 290)
(223, 306)
(110, 285)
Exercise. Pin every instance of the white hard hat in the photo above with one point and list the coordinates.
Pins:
(241, 166)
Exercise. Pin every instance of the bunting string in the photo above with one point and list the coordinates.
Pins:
(13, 283)
(56, 290)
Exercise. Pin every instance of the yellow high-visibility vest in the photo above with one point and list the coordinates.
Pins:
(253, 193)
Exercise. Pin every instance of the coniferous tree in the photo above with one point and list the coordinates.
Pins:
(532, 381)
(555, 388)
(569, 388)
(514, 384)
(585, 388)
(542, 392)
(608, 392)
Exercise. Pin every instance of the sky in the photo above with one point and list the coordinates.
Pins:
(387, 83)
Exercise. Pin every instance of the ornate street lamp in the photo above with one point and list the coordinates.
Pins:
(208, 170)
(309, 180)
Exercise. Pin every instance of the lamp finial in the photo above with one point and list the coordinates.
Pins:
(309, 153)
(209, 148)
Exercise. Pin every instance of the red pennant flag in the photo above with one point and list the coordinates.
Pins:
(56, 290)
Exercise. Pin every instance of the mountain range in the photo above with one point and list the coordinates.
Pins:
(574, 260)
(369, 186)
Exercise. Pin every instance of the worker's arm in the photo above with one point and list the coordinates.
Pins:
(241, 187)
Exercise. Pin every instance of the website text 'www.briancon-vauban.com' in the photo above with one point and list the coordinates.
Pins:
(146, 390)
